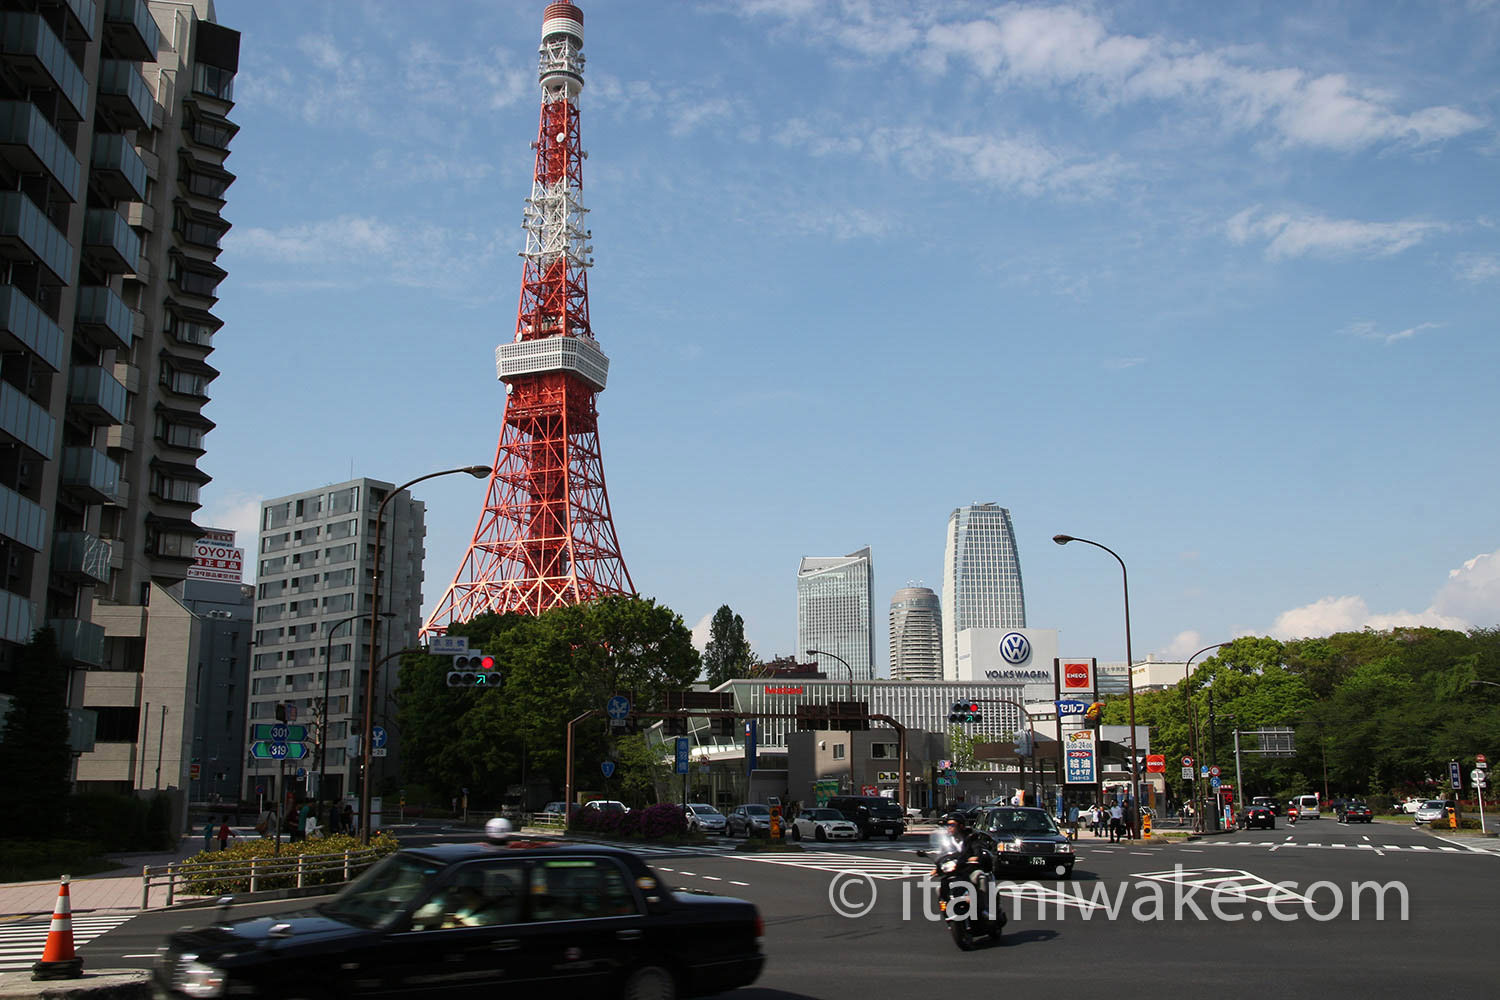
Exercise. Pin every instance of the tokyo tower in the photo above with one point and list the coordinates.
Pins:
(545, 537)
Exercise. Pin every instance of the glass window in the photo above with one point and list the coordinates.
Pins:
(213, 81)
(579, 889)
(480, 895)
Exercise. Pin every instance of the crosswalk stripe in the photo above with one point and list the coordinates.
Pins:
(21, 945)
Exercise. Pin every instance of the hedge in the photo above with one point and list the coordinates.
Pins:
(214, 880)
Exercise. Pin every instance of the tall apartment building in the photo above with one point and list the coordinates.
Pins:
(834, 605)
(113, 135)
(916, 635)
(981, 577)
(313, 597)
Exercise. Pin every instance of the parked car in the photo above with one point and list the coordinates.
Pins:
(554, 810)
(823, 824)
(1411, 804)
(704, 817)
(1433, 809)
(607, 805)
(1354, 812)
(482, 918)
(872, 814)
(1025, 839)
(1257, 815)
(751, 818)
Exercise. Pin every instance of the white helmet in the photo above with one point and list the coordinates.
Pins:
(498, 829)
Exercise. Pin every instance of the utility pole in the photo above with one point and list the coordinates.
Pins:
(1212, 756)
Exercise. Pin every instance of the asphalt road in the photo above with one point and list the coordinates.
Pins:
(1145, 924)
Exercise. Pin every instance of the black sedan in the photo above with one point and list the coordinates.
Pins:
(480, 920)
(1354, 812)
(1025, 840)
(1257, 816)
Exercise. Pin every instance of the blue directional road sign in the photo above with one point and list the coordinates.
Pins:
(377, 736)
(1455, 776)
(1203, 771)
(618, 708)
(682, 755)
(608, 767)
(1216, 782)
(277, 750)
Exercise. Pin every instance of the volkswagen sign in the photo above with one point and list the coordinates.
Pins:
(1015, 648)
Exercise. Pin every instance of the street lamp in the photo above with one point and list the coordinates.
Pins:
(1492, 684)
(478, 472)
(1187, 695)
(327, 671)
(1135, 764)
(853, 785)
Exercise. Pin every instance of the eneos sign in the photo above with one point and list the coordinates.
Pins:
(1077, 675)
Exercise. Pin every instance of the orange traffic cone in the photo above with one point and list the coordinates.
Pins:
(58, 959)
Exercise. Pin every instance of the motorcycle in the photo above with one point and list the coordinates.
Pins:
(1291, 816)
(964, 895)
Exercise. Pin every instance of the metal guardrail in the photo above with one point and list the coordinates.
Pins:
(254, 874)
(547, 821)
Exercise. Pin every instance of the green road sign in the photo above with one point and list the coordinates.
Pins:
(274, 731)
(276, 750)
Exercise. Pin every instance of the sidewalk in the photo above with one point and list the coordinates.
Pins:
(115, 890)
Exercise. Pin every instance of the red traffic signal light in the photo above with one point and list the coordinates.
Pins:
(486, 662)
(974, 707)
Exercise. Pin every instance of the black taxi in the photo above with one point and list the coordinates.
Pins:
(1025, 840)
(468, 920)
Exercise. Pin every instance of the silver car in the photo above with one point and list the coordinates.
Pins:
(1432, 809)
(704, 817)
(753, 818)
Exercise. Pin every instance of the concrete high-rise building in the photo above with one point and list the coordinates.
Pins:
(981, 577)
(113, 135)
(834, 605)
(313, 596)
(916, 635)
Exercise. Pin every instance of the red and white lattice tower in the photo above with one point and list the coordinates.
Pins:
(545, 537)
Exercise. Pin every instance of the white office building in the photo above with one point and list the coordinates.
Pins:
(916, 635)
(834, 604)
(981, 577)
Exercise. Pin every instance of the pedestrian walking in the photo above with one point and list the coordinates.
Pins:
(225, 834)
(349, 820)
(208, 835)
(1073, 822)
(1116, 822)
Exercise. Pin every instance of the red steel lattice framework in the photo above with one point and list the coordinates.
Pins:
(545, 537)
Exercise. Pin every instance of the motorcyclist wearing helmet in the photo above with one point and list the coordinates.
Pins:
(958, 828)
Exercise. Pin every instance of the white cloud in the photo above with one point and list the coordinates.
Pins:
(347, 235)
(1183, 645)
(1368, 331)
(1478, 268)
(1072, 48)
(1470, 598)
(1122, 363)
(240, 513)
(1288, 236)
(701, 632)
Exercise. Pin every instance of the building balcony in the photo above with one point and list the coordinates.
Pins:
(120, 437)
(124, 94)
(110, 242)
(17, 617)
(120, 499)
(96, 397)
(38, 58)
(22, 324)
(25, 421)
(22, 521)
(142, 272)
(80, 642)
(129, 376)
(139, 215)
(82, 21)
(91, 474)
(117, 169)
(104, 318)
(130, 31)
(30, 143)
(27, 235)
(80, 557)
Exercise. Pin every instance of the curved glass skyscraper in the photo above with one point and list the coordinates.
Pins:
(916, 635)
(981, 577)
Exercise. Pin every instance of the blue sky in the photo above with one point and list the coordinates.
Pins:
(1216, 286)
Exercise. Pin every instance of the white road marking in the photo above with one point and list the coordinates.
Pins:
(21, 945)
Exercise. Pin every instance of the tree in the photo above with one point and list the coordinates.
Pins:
(34, 753)
(556, 667)
(726, 655)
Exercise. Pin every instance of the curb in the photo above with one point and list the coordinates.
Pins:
(114, 984)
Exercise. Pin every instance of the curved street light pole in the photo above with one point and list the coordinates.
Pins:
(478, 472)
(323, 736)
(1135, 764)
(1187, 696)
(853, 783)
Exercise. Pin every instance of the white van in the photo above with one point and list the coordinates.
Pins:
(1307, 806)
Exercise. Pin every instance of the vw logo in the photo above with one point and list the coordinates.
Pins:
(1015, 648)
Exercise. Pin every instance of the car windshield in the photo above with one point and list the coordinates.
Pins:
(703, 809)
(885, 807)
(382, 893)
(758, 810)
(823, 814)
(1434, 804)
(1019, 821)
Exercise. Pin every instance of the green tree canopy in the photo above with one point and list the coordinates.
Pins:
(726, 655)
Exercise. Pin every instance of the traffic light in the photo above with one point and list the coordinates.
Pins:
(473, 669)
(965, 711)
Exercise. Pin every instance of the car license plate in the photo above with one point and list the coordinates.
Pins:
(1039, 861)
